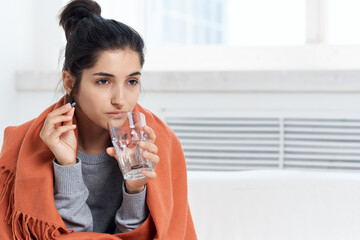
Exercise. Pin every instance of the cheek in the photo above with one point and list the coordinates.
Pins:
(134, 98)
(92, 100)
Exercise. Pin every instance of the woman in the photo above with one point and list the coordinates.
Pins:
(59, 175)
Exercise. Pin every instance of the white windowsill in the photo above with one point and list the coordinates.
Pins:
(224, 81)
(310, 68)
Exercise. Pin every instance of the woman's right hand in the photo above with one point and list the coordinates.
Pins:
(61, 140)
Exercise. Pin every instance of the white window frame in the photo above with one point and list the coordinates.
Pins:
(316, 21)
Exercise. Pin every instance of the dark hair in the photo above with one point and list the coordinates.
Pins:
(88, 34)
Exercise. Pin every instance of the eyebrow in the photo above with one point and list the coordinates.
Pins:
(111, 75)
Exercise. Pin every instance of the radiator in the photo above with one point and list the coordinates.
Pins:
(266, 202)
(227, 143)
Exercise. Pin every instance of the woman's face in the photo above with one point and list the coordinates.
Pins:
(110, 88)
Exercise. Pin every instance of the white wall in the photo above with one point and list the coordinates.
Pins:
(26, 26)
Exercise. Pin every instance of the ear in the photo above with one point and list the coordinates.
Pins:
(68, 81)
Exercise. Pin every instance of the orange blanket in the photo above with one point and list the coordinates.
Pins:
(27, 208)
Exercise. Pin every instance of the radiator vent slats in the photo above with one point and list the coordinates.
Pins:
(241, 143)
(228, 143)
(322, 143)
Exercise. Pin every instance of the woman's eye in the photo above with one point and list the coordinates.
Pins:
(133, 82)
(102, 81)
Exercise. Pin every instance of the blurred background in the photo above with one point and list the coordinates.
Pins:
(261, 85)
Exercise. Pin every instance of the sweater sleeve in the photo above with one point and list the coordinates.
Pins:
(132, 212)
(70, 195)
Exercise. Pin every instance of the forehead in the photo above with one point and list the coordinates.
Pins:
(117, 62)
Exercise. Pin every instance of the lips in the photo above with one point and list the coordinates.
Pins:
(116, 114)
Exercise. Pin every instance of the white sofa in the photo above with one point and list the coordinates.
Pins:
(275, 205)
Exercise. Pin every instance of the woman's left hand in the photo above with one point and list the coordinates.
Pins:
(136, 186)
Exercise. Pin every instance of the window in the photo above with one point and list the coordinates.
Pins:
(343, 22)
(185, 22)
(228, 22)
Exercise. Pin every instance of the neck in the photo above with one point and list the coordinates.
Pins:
(92, 138)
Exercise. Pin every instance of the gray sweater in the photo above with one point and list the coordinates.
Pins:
(90, 196)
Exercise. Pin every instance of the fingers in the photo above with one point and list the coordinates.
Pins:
(64, 115)
(69, 115)
(150, 147)
(50, 122)
(153, 158)
(148, 174)
(111, 151)
(60, 130)
(61, 110)
(150, 133)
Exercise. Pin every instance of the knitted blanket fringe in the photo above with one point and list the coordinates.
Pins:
(23, 225)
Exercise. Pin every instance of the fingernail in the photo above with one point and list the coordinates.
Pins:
(67, 105)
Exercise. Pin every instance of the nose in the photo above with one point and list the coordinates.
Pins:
(118, 96)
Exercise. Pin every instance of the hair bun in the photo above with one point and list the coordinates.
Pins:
(76, 11)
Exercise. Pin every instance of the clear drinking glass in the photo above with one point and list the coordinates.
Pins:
(126, 132)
